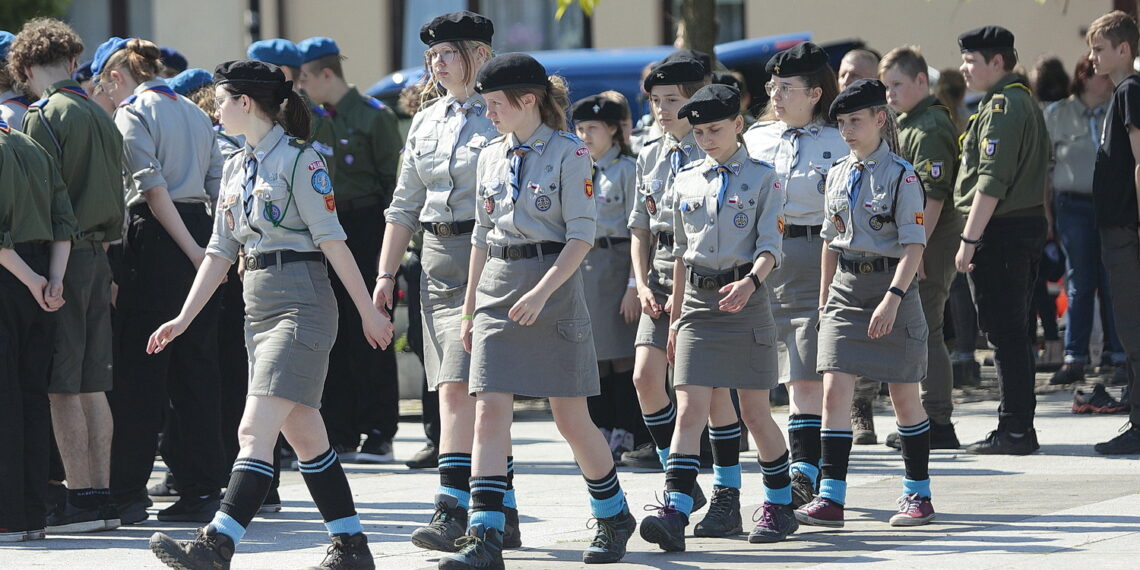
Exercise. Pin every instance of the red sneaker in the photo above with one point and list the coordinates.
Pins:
(913, 511)
(821, 512)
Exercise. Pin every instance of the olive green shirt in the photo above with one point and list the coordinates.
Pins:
(34, 205)
(927, 140)
(366, 151)
(89, 153)
(1005, 152)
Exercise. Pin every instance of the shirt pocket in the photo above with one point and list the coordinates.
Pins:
(879, 204)
(694, 215)
(425, 147)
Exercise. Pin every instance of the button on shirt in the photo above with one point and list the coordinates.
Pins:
(556, 193)
(615, 192)
(722, 234)
(169, 142)
(802, 158)
(653, 209)
(437, 179)
(292, 205)
(871, 228)
(1075, 131)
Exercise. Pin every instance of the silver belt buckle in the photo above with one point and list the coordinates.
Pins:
(443, 229)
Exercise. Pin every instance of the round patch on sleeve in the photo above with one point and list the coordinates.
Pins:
(322, 182)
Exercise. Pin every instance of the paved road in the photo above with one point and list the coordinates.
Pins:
(1065, 507)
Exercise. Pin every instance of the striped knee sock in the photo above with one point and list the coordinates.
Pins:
(726, 455)
(661, 425)
(777, 480)
(915, 442)
(835, 454)
(606, 498)
(249, 483)
(509, 498)
(454, 477)
(803, 439)
(487, 501)
(680, 476)
(325, 479)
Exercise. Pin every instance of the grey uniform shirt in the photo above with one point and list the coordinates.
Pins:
(12, 110)
(871, 228)
(803, 158)
(615, 191)
(1075, 131)
(720, 237)
(167, 141)
(655, 172)
(556, 193)
(437, 177)
(291, 206)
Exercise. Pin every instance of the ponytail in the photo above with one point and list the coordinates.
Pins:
(890, 130)
(277, 103)
(141, 58)
(551, 101)
(294, 116)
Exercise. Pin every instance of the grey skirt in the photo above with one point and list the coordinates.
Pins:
(290, 327)
(650, 331)
(794, 292)
(554, 357)
(843, 342)
(725, 350)
(605, 275)
(445, 261)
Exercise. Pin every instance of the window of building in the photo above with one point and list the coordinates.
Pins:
(529, 25)
(729, 16)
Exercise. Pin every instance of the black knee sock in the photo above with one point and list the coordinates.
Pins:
(725, 442)
(606, 498)
(249, 483)
(487, 501)
(680, 477)
(803, 441)
(661, 425)
(325, 479)
(835, 455)
(777, 480)
(915, 442)
(455, 475)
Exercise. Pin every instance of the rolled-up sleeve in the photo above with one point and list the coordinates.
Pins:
(639, 217)
(579, 212)
(222, 241)
(411, 192)
(909, 209)
(316, 208)
(140, 154)
(768, 219)
(64, 225)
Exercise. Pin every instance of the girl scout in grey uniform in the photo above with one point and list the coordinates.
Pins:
(436, 192)
(727, 224)
(606, 275)
(795, 134)
(871, 321)
(277, 207)
(670, 85)
(535, 223)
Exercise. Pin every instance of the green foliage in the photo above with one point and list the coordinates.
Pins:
(586, 5)
(13, 13)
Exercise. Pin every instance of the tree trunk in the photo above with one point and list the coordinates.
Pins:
(700, 25)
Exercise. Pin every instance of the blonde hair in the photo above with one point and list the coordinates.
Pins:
(468, 50)
(908, 60)
(890, 130)
(551, 101)
(141, 58)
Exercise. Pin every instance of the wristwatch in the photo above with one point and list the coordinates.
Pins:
(755, 280)
(897, 291)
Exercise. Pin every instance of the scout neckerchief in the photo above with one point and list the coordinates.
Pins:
(676, 158)
(723, 171)
(854, 179)
(249, 183)
(794, 134)
(516, 154)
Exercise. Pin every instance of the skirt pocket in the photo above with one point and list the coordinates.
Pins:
(763, 355)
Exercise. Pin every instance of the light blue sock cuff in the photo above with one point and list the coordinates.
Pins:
(346, 525)
(834, 489)
(727, 476)
(681, 502)
(463, 497)
(509, 499)
(664, 455)
(225, 524)
(920, 488)
(606, 508)
(781, 496)
(489, 519)
(812, 471)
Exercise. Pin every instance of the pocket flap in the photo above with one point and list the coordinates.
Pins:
(575, 330)
(424, 146)
(313, 339)
(765, 336)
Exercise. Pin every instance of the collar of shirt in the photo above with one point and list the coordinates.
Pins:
(609, 158)
(351, 99)
(266, 144)
(812, 129)
(879, 157)
(537, 141)
(148, 85)
(474, 104)
(734, 163)
(66, 85)
(917, 111)
(1002, 83)
(687, 144)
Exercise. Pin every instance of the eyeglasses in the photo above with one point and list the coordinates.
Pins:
(219, 100)
(445, 55)
(772, 88)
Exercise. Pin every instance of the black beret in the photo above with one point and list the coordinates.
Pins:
(986, 37)
(680, 70)
(711, 103)
(726, 78)
(862, 94)
(248, 70)
(510, 71)
(802, 59)
(700, 56)
(596, 108)
(457, 26)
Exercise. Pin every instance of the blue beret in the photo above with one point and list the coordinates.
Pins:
(171, 59)
(83, 73)
(277, 51)
(105, 51)
(5, 43)
(314, 48)
(190, 80)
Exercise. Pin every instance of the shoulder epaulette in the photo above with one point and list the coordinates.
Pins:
(760, 124)
(128, 100)
(375, 103)
(902, 162)
(760, 161)
(298, 143)
(569, 135)
(39, 104)
(4, 128)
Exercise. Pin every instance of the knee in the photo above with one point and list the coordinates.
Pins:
(645, 380)
(690, 420)
(453, 398)
(756, 418)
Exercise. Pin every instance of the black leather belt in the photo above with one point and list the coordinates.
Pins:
(448, 229)
(665, 239)
(869, 265)
(513, 252)
(794, 231)
(714, 281)
(610, 242)
(271, 258)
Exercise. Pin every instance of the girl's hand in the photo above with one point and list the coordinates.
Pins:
(382, 295)
(38, 288)
(648, 301)
(669, 304)
(378, 329)
(465, 333)
(526, 309)
(671, 346)
(736, 295)
(883, 320)
(53, 295)
(165, 334)
(630, 307)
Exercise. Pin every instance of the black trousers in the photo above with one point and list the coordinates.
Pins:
(411, 271)
(361, 393)
(156, 280)
(1120, 250)
(26, 340)
(963, 317)
(233, 360)
(1002, 282)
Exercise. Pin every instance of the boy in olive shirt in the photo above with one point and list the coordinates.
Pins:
(82, 137)
(1113, 39)
(36, 224)
(1001, 191)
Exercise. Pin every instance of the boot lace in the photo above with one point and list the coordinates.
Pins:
(663, 507)
(766, 518)
(605, 532)
(721, 504)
